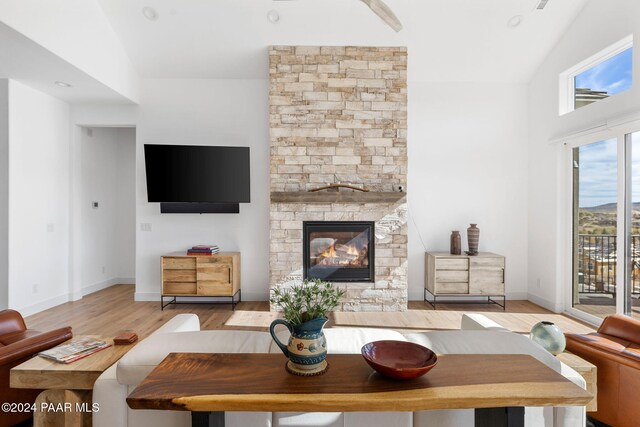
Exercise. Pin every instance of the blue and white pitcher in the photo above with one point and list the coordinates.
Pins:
(307, 347)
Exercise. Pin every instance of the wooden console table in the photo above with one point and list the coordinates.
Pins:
(209, 382)
(70, 383)
(448, 276)
(201, 276)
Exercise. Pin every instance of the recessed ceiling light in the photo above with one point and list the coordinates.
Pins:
(515, 21)
(273, 16)
(150, 13)
(62, 84)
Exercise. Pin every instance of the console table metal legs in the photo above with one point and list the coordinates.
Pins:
(485, 417)
(207, 419)
(174, 300)
(448, 299)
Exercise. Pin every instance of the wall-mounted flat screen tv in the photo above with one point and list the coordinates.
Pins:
(197, 174)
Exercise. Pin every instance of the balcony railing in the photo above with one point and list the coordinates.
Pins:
(597, 263)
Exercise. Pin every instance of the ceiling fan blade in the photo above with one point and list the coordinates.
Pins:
(541, 4)
(382, 10)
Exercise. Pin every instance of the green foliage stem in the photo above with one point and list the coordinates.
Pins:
(312, 299)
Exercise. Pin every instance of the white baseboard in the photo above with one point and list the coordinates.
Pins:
(75, 296)
(255, 296)
(146, 296)
(416, 295)
(516, 296)
(43, 305)
(556, 308)
(86, 290)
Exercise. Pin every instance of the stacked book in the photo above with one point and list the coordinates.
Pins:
(203, 250)
(125, 338)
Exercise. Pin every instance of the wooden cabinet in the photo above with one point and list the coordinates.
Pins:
(201, 276)
(449, 275)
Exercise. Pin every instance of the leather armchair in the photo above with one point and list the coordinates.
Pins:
(615, 350)
(18, 344)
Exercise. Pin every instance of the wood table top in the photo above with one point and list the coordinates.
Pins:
(259, 382)
(41, 373)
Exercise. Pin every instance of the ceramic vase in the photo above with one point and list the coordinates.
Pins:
(456, 243)
(473, 238)
(307, 346)
(549, 336)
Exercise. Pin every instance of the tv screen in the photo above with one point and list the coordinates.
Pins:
(197, 174)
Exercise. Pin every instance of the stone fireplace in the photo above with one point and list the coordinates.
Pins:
(338, 115)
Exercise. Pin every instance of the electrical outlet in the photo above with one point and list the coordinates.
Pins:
(145, 226)
(538, 283)
(34, 288)
(104, 269)
(50, 228)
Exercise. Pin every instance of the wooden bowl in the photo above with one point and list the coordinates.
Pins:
(400, 360)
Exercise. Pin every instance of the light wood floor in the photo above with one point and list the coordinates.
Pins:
(113, 309)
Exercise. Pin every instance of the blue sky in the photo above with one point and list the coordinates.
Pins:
(612, 76)
(599, 172)
(598, 161)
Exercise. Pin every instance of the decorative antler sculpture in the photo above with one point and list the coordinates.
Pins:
(330, 186)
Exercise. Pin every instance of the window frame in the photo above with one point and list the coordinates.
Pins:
(618, 131)
(567, 77)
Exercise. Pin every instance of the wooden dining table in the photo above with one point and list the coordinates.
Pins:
(498, 386)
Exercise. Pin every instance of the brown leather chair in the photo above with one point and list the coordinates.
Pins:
(18, 344)
(615, 350)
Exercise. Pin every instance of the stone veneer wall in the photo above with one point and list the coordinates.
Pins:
(339, 115)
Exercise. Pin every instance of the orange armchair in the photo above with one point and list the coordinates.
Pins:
(615, 350)
(18, 344)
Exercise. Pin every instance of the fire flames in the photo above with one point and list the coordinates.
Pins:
(346, 254)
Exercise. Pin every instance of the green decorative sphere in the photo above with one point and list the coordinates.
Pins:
(549, 336)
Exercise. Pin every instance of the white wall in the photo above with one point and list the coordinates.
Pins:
(126, 200)
(108, 232)
(467, 148)
(205, 112)
(38, 199)
(467, 164)
(599, 25)
(78, 32)
(4, 194)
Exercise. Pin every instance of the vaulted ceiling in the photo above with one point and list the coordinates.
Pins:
(448, 40)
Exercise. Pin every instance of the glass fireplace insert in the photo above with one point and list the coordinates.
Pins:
(339, 251)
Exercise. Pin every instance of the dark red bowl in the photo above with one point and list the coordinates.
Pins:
(400, 360)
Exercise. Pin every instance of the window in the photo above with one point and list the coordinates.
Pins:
(601, 76)
(603, 80)
(605, 231)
